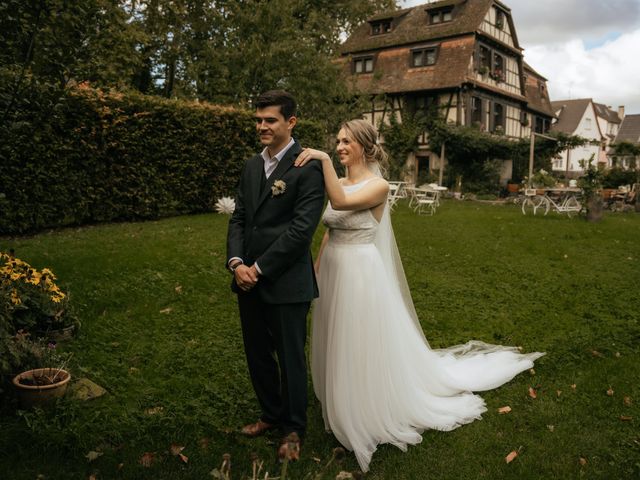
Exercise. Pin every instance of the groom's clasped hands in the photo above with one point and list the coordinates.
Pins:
(246, 277)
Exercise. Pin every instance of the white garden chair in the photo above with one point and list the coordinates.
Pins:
(427, 202)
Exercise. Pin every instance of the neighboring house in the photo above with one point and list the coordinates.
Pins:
(609, 122)
(577, 117)
(461, 57)
(629, 132)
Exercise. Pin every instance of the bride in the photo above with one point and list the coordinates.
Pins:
(373, 370)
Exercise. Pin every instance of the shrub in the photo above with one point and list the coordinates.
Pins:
(91, 156)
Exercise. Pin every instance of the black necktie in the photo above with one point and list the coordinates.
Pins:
(263, 180)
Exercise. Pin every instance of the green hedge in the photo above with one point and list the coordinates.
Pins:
(87, 156)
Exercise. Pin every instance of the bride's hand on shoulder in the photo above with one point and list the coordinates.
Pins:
(309, 154)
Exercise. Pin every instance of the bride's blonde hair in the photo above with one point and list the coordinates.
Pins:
(367, 136)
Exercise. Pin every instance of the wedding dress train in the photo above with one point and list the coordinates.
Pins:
(373, 371)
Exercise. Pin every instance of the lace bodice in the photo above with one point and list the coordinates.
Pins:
(350, 226)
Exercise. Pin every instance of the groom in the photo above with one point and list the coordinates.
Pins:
(277, 210)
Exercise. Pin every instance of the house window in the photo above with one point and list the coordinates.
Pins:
(476, 112)
(488, 61)
(499, 19)
(363, 65)
(542, 125)
(498, 118)
(498, 72)
(440, 16)
(485, 59)
(380, 27)
(423, 56)
(425, 105)
(587, 124)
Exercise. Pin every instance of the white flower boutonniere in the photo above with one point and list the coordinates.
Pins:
(278, 188)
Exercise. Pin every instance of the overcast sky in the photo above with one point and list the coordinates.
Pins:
(585, 48)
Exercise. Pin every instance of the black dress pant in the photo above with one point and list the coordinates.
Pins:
(274, 338)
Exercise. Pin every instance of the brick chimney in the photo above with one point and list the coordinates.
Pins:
(621, 112)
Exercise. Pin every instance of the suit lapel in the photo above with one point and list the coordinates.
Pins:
(283, 165)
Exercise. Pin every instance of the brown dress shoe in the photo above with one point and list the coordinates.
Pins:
(257, 429)
(289, 448)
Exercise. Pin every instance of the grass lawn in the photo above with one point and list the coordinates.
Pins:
(160, 332)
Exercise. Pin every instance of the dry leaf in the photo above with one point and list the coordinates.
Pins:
(551, 427)
(626, 418)
(120, 466)
(506, 409)
(573, 386)
(154, 410)
(617, 354)
(92, 455)
(175, 449)
(92, 477)
(147, 459)
(532, 393)
(183, 458)
(596, 353)
(583, 461)
(166, 310)
(316, 459)
(509, 458)
(558, 392)
(178, 288)
(532, 371)
(627, 401)
(610, 391)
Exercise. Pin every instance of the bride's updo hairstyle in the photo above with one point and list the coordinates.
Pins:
(367, 136)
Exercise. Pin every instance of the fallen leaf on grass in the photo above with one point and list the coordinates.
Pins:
(627, 401)
(558, 392)
(120, 466)
(166, 310)
(583, 461)
(183, 458)
(551, 427)
(617, 354)
(610, 392)
(316, 459)
(178, 288)
(509, 458)
(92, 455)
(147, 459)
(175, 449)
(506, 409)
(154, 410)
(573, 386)
(532, 393)
(596, 353)
(626, 418)
(92, 477)
(532, 371)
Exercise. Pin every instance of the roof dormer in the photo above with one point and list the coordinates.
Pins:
(381, 26)
(440, 15)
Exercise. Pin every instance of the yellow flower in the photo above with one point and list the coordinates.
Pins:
(14, 298)
(35, 278)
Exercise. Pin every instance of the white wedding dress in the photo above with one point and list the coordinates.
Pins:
(373, 371)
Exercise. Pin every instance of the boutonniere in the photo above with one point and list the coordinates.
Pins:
(278, 188)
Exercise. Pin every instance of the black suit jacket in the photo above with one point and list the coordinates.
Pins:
(276, 230)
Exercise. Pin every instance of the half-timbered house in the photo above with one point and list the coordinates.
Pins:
(461, 57)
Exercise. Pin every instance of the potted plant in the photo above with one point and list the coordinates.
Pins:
(591, 185)
(540, 180)
(33, 302)
(40, 387)
(483, 70)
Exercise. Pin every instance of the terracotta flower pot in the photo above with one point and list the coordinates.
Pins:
(40, 387)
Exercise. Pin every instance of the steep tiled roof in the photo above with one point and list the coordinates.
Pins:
(570, 114)
(412, 25)
(393, 75)
(605, 112)
(630, 129)
(537, 96)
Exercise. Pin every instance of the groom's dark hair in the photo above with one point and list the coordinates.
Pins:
(278, 98)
